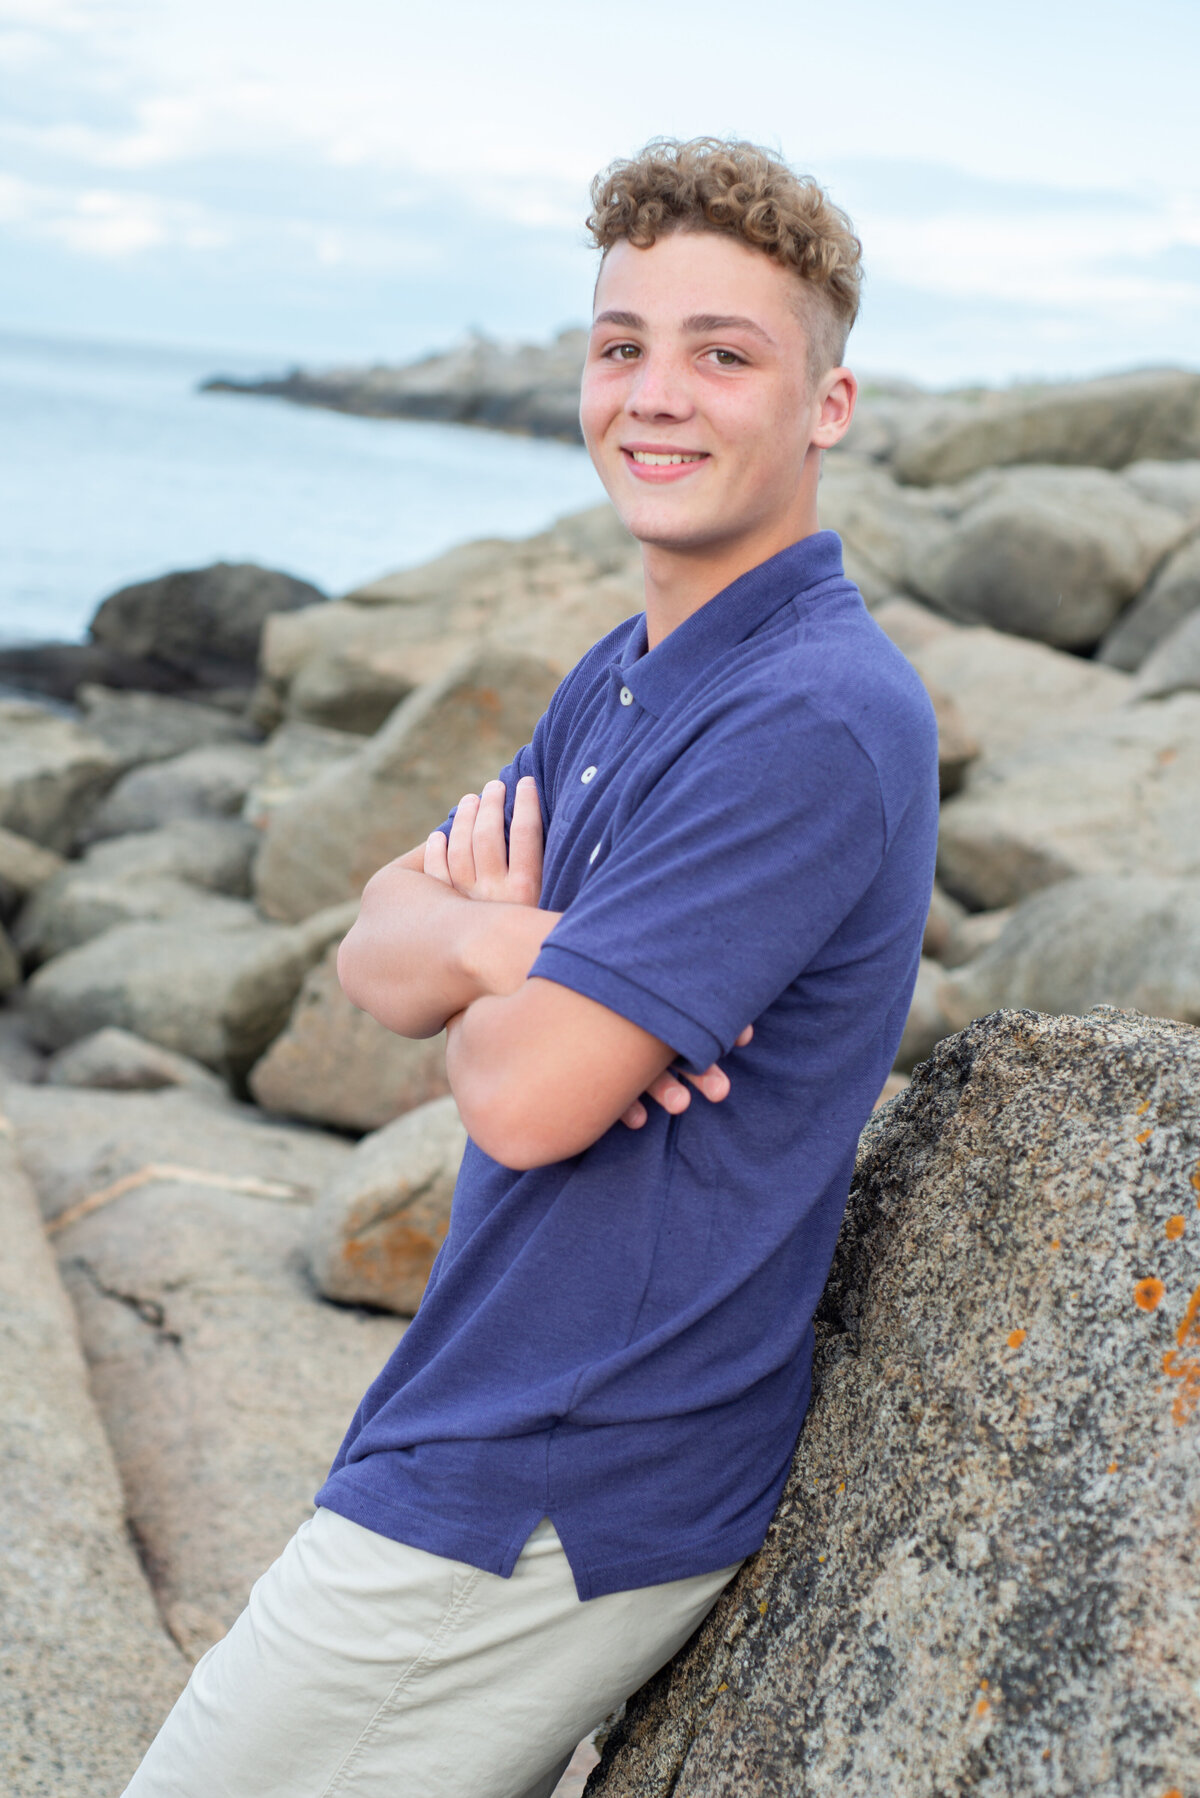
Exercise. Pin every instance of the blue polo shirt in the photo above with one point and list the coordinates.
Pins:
(740, 828)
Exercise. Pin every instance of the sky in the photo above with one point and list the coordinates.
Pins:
(303, 183)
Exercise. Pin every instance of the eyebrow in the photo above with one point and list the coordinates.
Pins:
(700, 323)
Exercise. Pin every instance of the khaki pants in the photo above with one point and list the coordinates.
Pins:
(361, 1666)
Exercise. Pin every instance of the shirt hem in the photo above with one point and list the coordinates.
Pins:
(402, 1523)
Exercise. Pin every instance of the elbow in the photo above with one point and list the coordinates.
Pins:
(516, 1132)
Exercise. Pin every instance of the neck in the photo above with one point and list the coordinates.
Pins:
(681, 580)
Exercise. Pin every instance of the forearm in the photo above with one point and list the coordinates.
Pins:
(420, 952)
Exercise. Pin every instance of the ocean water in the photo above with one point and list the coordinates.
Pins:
(113, 468)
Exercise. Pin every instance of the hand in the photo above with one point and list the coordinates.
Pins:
(670, 1092)
(476, 862)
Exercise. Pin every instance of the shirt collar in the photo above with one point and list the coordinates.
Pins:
(655, 677)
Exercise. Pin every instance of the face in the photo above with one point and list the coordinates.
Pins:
(696, 406)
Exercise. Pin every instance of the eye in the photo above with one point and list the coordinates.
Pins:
(727, 358)
(622, 352)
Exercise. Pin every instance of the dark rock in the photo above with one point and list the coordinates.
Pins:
(981, 1575)
(202, 623)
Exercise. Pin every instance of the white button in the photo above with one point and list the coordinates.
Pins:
(588, 774)
(626, 696)
(593, 855)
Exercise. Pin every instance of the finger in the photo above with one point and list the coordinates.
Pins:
(713, 1083)
(435, 857)
(746, 1036)
(670, 1093)
(525, 843)
(635, 1117)
(460, 858)
(487, 838)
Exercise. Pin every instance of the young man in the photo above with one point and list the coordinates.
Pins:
(664, 1036)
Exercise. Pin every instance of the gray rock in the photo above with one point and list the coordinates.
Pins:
(10, 965)
(116, 1061)
(447, 739)
(225, 1384)
(219, 995)
(149, 727)
(980, 1576)
(24, 866)
(886, 529)
(945, 917)
(1172, 596)
(1174, 665)
(1152, 414)
(83, 902)
(205, 622)
(211, 782)
(20, 1058)
(87, 1670)
(215, 853)
(52, 773)
(1010, 692)
(1048, 553)
(377, 1226)
(910, 625)
(1128, 940)
(1117, 796)
(348, 664)
(334, 1064)
(972, 934)
(1174, 484)
(295, 755)
(928, 1021)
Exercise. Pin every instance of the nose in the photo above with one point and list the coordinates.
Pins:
(660, 389)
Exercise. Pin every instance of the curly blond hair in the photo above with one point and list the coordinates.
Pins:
(726, 185)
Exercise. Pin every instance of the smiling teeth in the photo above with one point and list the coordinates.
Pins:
(652, 460)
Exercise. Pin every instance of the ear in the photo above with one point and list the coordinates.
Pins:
(835, 398)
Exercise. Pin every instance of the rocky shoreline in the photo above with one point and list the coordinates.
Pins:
(241, 1182)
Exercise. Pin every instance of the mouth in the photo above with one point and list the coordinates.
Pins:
(662, 464)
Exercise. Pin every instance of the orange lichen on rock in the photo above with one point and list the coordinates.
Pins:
(1112, 1467)
(1142, 1109)
(1195, 1182)
(983, 1707)
(1016, 1338)
(1174, 1228)
(1148, 1294)
(1144, 1136)
(1056, 1242)
(1184, 1366)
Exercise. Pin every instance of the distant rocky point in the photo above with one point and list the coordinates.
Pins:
(532, 389)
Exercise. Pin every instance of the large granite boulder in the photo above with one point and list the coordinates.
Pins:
(204, 624)
(1047, 553)
(210, 782)
(1006, 690)
(1101, 424)
(349, 663)
(981, 1576)
(377, 1226)
(1172, 596)
(1174, 484)
(219, 994)
(52, 773)
(1116, 796)
(1104, 939)
(84, 901)
(333, 1064)
(444, 740)
(87, 1670)
(225, 1384)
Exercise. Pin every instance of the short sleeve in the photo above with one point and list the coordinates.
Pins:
(736, 866)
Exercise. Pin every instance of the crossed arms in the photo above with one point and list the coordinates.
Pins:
(446, 937)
